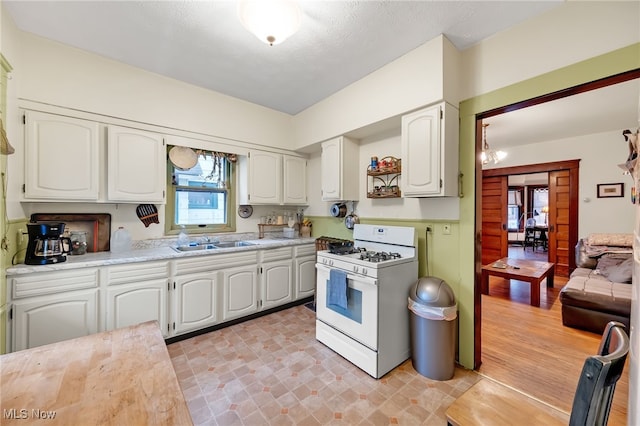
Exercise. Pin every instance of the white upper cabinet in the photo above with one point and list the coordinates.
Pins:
(274, 179)
(265, 177)
(136, 166)
(62, 158)
(340, 169)
(430, 152)
(294, 180)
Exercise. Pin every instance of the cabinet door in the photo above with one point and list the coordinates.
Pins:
(240, 292)
(132, 304)
(136, 166)
(49, 319)
(305, 276)
(265, 178)
(276, 288)
(340, 169)
(331, 165)
(61, 158)
(421, 156)
(294, 180)
(195, 302)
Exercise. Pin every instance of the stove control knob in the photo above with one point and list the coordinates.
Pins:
(364, 271)
(355, 269)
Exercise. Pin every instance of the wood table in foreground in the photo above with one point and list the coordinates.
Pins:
(490, 403)
(531, 271)
(119, 377)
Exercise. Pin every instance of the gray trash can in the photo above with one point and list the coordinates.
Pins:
(434, 328)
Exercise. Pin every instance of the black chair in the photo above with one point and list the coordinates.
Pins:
(530, 234)
(594, 394)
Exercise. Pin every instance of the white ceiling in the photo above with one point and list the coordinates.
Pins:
(203, 43)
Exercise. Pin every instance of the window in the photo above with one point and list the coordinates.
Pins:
(201, 198)
(514, 208)
(540, 205)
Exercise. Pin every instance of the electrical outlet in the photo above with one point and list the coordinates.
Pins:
(446, 229)
(22, 239)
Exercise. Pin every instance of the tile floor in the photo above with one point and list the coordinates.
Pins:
(272, 371)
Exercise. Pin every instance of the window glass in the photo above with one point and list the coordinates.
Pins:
(541, 205)
(201, 197)
(514, 207)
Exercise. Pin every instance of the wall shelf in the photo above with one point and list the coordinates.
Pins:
(383, 181)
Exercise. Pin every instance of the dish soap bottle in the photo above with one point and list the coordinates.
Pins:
(120, 240)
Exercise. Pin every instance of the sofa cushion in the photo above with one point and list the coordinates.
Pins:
(595, 292)
(616, 269)
(618, 240)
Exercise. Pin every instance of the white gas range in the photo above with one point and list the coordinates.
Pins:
(371, 327)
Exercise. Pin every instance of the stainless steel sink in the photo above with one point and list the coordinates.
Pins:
(212, 246)
(195, 247)
(227, 244)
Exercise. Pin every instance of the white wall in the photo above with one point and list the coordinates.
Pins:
(599, 156)
(61, 75)
(414, 80)
(570, 33)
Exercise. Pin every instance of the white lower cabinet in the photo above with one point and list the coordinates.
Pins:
(182, 295)
(137, 293)
(42, 320)
(276, 277)
(136, 303)
(51, 307)
(240, 295)
(195, 298)
(305, 271)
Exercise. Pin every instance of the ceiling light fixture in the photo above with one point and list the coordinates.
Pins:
(490, 155)
(272, 21)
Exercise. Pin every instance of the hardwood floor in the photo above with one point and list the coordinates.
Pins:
(529, 349)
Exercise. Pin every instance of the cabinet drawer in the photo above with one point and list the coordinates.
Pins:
(215, 261)
(276, 254)
(136, 272)
(53, 282)
(305, 250)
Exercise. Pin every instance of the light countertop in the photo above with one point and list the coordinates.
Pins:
(106, 258)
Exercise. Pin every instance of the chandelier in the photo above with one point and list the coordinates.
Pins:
(490, 155)
(272, 21)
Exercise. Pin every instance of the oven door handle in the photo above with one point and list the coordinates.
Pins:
(358, 278)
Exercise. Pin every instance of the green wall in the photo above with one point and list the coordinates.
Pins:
(452, 257)
(612, 63)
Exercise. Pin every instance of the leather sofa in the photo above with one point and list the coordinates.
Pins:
(597, 292)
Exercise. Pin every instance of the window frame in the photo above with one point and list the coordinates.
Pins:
(171, 228)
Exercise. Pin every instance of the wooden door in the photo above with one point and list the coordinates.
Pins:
(495, 244)
(560, 248)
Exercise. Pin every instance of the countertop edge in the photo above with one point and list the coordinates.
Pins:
(93, 260)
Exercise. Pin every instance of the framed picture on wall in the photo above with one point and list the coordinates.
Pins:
(609, 190)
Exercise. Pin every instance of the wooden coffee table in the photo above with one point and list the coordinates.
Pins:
(531, 271)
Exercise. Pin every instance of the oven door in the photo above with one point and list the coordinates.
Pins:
(360, 320)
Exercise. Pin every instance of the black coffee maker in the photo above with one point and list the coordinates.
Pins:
(46, 243)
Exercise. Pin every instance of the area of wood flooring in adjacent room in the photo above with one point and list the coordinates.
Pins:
(529, 349)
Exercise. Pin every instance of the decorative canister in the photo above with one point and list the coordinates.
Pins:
(78, 242)
(305, 231)
(374, 163)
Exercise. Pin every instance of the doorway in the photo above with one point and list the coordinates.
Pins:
(561, 216)
(561, 175)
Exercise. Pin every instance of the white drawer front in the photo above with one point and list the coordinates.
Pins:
(53, 282)
(193, 265)
(136, 272)
(305, 250)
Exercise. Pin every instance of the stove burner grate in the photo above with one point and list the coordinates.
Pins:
(379, 256)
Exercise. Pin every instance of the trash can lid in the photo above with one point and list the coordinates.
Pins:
(432, 291)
